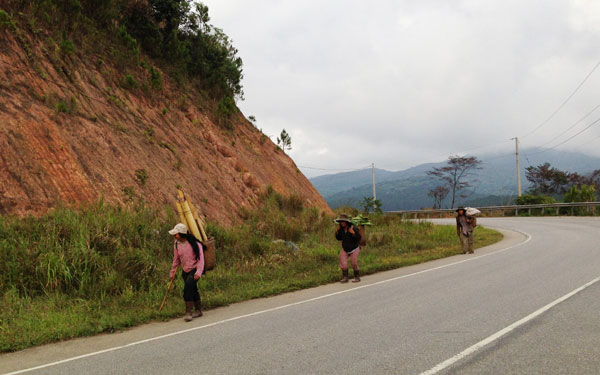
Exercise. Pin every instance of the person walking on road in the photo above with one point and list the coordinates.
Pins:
(464, 229)
(188, 252)
(350, 237)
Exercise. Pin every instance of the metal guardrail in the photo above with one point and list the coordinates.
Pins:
(540, 209)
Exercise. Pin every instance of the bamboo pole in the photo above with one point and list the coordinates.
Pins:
(199, 222)
(180, 212)
(191, 223)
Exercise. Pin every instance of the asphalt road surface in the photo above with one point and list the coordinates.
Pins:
(528, 305)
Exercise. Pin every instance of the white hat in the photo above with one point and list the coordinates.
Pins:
(179, 228)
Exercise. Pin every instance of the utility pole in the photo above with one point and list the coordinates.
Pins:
(373, 173)
(518, 166)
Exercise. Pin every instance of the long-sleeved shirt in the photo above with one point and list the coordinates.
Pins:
(183, 254)
(349, 241)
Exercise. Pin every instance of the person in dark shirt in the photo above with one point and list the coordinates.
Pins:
(350, 237)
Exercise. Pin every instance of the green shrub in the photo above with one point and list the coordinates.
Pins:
(155, 79)
(6, 20)
(62, 107)
(534, 199)
(130, 82)
(66, 45)
(225, 110)
(129, 41)
(583, 193)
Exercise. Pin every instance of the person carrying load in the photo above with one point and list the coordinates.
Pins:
(188, 252)
(465, 224)
(350, 237)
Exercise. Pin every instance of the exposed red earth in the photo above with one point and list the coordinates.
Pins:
(70, 132)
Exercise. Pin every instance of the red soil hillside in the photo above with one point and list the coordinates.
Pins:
(71, 132)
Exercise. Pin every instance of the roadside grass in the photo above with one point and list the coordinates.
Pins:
(102, 269)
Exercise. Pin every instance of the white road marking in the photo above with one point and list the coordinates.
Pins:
(528, 238)
(472, 349)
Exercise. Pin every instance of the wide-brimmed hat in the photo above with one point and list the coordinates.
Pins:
(461, 208)
(179, 228)
(343, 217)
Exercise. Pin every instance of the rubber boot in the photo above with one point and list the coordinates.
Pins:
(344, 276)
(198, 307)
(188, 311)
(356, 276)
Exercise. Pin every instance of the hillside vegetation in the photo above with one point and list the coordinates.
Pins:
(80, 272)
(175, 33)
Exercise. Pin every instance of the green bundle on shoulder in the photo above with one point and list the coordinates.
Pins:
(361, 220)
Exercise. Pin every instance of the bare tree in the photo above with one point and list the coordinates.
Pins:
(438, 194)
(455, 173)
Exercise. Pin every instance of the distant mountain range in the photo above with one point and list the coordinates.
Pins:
(494, 184)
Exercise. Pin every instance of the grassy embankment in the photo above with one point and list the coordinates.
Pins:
(76, 273)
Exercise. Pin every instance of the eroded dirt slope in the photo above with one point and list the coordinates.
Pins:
(71, 131)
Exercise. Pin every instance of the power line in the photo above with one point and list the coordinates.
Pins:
(587, 141)
(561, 106)
(526, 157)
(568, 139)
(572, 126)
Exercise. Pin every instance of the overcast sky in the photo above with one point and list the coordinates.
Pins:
(400, 83)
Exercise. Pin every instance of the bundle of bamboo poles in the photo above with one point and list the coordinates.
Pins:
(189, 216)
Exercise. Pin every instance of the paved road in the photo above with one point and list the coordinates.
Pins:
(529, 305)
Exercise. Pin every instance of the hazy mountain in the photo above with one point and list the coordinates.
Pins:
(495, 183)
(335, 183)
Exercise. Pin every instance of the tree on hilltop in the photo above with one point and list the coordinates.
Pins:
(284, 141)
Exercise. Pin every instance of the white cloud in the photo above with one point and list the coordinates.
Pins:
(399, 83)
(585, 16)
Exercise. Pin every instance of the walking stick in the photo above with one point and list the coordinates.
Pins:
(166, 294)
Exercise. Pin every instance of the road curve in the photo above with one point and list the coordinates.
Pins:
(526, 305)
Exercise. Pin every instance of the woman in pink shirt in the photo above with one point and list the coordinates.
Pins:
(188, 252)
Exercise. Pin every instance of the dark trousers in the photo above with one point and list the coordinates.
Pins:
(190, 287)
